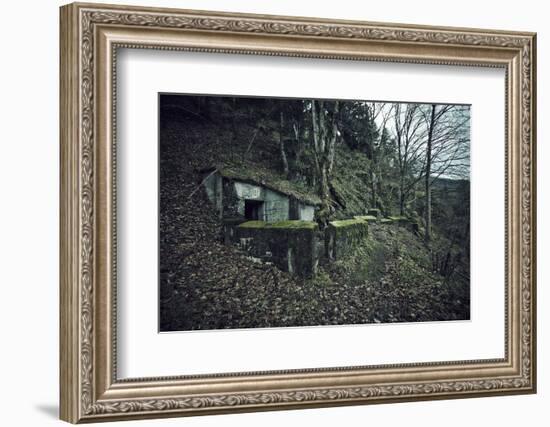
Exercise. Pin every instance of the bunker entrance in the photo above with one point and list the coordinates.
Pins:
(253, 209)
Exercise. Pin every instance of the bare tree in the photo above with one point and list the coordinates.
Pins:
(282, 143)
(324, 117)
(447, 150)
(428, 197)
(410, 130)
(432, 141)
(379, 113)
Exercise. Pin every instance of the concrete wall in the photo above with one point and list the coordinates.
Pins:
(295, 246)
(306, 212)
(228, 197)
(245, 191)
(248, 191)
(300, 211)
(342, 237)
(231, 204)
(229, 228)
(290, 248)
(275, 206)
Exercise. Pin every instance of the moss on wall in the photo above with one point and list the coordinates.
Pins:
(398, 218)
(366, 217)
(341, 237)
(292, 224)
(253, 224)
(346, 222)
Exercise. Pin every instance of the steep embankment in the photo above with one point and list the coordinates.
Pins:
(205, 284)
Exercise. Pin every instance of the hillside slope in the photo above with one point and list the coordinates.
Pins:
(207, 285)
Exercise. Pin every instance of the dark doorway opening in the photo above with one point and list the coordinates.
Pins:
(253, 210)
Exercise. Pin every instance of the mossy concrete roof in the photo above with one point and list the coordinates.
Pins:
(311, 225)
(258, 176)
(347, 222)
(366, 217)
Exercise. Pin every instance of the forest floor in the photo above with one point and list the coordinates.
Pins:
(208, 285)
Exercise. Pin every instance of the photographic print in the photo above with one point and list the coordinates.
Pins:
(201, 209)
(278, 212)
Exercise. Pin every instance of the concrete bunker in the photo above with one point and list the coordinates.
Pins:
(290, 245)
(239, 196)
(276, 225)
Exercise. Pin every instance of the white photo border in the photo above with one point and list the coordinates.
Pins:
(137, 327)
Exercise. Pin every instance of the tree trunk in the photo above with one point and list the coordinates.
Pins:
(282, 145)
(402, 195)
(428, 188)
(297, 140)
(373, 187)
(325, 131)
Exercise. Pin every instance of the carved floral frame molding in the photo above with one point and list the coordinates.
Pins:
(90, 36)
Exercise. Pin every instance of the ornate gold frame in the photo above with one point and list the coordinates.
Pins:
(90, 35)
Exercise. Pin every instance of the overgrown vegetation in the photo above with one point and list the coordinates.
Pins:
(348, 158)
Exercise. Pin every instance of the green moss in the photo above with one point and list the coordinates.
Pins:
(310, 225)
(293, 224)
(366, 217)
(255, 174)
(346, 222)
(398, 218)
(351, 172)
(253, 224)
